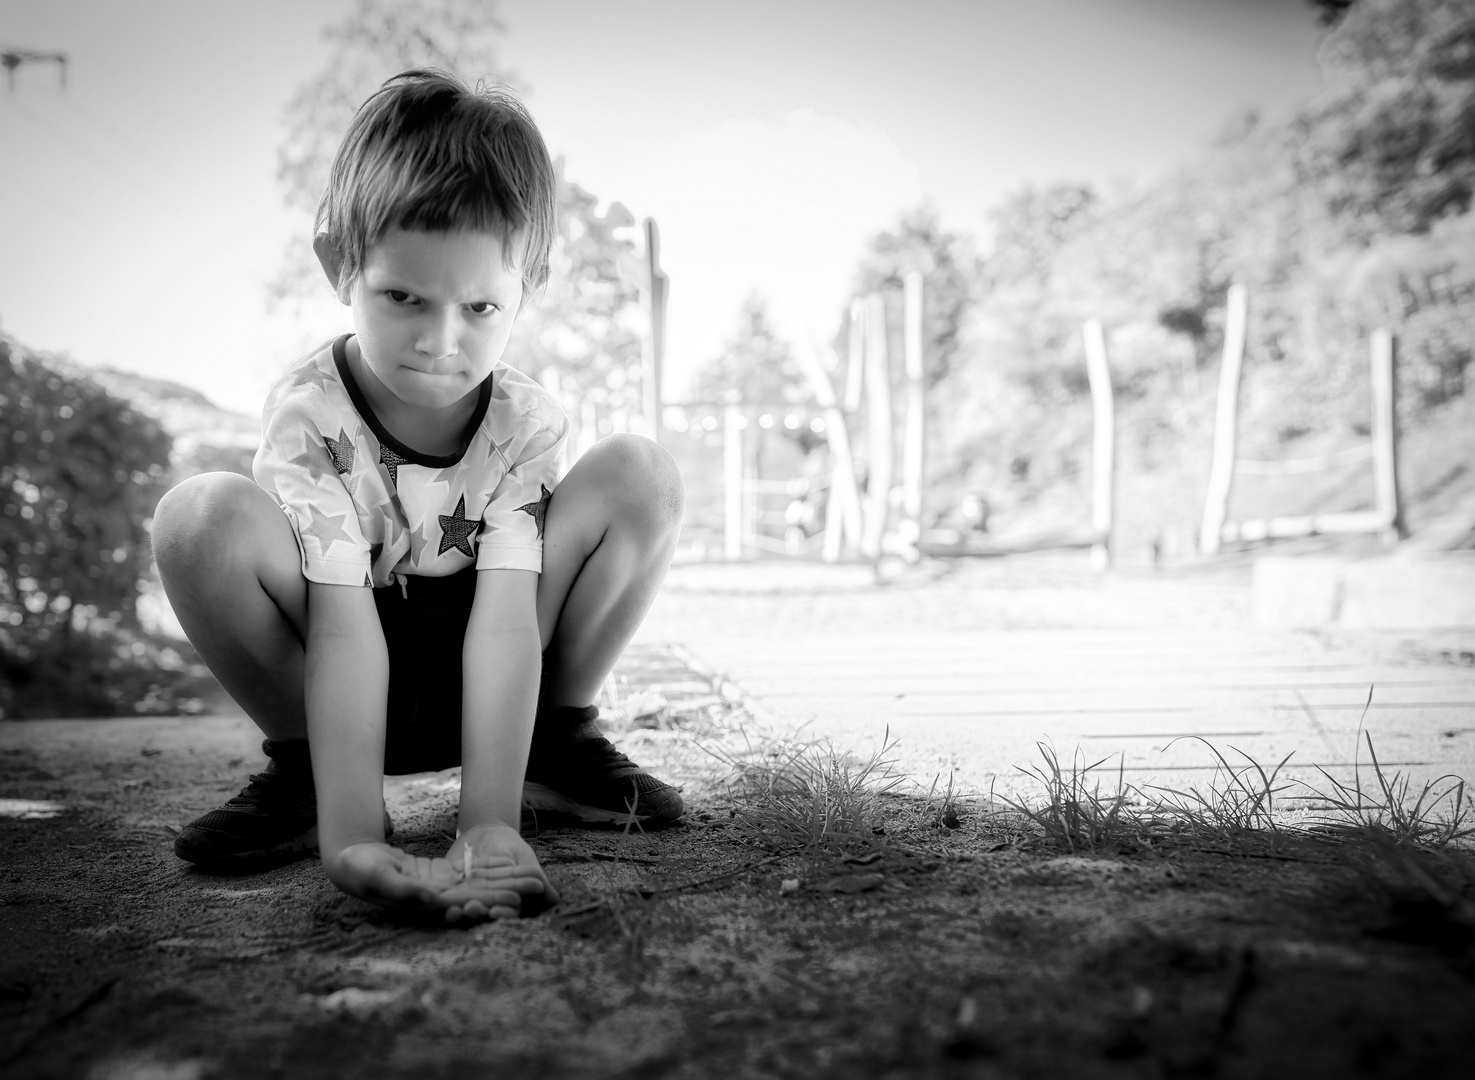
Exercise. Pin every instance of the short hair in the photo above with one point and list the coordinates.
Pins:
(428, 152)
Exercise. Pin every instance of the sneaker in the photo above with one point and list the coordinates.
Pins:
(575, 772)
(275, 814)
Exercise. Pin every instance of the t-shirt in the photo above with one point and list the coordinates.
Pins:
(365, 507)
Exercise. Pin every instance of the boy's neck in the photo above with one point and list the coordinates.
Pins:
(433, 432)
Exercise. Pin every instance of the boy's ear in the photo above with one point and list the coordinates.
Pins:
(331, 262)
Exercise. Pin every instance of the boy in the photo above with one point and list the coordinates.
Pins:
(382, 599)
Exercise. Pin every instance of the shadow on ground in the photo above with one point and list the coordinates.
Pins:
(945, 944)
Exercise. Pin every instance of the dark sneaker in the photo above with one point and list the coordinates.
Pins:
(575, 772)
(274, 816)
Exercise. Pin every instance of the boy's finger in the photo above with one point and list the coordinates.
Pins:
(501, 873)
(488, 899)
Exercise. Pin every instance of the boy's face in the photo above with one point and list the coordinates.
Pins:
(433, 311)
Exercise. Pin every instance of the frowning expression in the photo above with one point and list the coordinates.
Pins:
(433, 311)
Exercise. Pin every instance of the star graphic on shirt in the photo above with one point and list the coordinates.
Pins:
(539, 509)
(391, 461)
(502, 448)
(325, 528)
(456, 531)
(342, 451)
(312, 461)
(312, 375)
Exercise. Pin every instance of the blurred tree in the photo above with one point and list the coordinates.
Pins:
(756, 365)
(949, 269)
(1036, 337)
(588, 323)
(80, 474)
(1392, 146)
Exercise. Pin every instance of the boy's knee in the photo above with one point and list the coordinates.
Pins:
(642, 478)
(202, 518)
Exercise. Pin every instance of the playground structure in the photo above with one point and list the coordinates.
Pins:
(872, 490)
(1386, 519)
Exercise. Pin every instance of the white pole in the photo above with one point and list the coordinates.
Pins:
(913, 437)
(878, 387)
(855, 362)
(1221, 471)
(1385, 434)
(842, 509)
(732, 475)
(1103, 445)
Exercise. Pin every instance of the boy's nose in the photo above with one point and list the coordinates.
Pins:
(437, 337)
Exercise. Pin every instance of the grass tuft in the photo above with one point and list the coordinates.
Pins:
(810, 797)
(1433, 815)
(1236, 800)
(1075, 811)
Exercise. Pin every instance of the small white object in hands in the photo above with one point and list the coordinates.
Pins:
(466, 862)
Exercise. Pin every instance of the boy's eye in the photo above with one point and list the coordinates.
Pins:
(482, 307)
(397, 296)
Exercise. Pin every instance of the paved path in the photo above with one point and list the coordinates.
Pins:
(1120, 669)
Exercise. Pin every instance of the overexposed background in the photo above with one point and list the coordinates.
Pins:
(141, 219)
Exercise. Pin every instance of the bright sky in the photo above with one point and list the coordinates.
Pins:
(140, 216)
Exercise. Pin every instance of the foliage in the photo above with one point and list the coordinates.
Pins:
(588, 323)
(79, 479)
(1393, 146)
(755, 366)
(1355, 214)
(948, 267)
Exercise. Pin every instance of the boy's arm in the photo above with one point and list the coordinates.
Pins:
(347, 681)
(501, 664)
(347, 684)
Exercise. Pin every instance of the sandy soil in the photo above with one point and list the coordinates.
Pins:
(919, 950)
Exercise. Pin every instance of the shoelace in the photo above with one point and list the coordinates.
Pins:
(602, 750)
(262, 787)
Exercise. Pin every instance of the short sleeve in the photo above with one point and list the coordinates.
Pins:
(512, 532)
(301, 467)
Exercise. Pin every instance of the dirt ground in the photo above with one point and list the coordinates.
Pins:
(943, 940)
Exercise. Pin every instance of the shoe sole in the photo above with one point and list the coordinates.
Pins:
(300, 845)
(544, 800)
(303, 844)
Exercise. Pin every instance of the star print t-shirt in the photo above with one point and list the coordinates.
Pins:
(366, 508)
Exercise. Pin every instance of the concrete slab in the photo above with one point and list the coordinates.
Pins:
(1427, 591)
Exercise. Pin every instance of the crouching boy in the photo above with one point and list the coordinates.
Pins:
(385, 596)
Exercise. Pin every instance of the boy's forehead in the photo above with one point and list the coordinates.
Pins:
(467, 256)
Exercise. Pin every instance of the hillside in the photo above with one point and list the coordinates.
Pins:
(206, 437)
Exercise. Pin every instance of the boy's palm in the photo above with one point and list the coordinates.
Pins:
(500, 855)
(496, 888)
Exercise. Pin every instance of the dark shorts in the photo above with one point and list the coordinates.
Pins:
(424, 627)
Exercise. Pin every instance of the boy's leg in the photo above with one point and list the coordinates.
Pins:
(610, 531)
(231, 570)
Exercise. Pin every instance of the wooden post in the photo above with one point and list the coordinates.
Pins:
(1103, 444)
(842, 508)
(914, 432)
(878, 385)
(732, 480)
(654, 344)
(1385, 434)
(1226, 418)
(855, 362)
